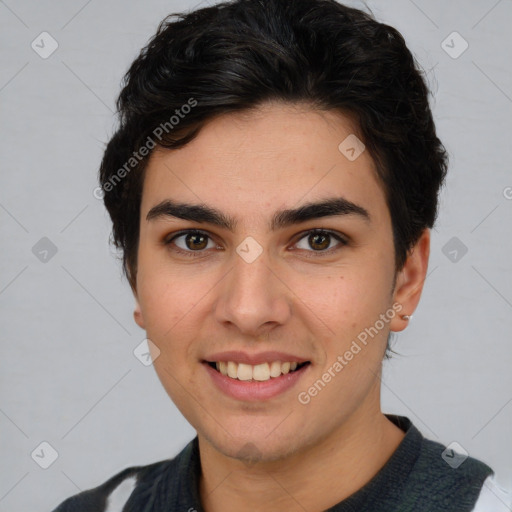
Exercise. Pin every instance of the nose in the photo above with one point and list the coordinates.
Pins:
(253, 298)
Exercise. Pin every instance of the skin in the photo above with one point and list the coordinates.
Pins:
(276, 454)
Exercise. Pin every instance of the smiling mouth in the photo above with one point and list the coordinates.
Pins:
(255, 373)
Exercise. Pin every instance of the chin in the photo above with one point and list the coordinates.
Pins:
(253, 445)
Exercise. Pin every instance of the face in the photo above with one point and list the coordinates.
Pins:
(254, 281)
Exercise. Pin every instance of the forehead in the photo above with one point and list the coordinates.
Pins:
(251, 163)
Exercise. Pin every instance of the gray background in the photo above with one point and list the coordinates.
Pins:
(68, 373)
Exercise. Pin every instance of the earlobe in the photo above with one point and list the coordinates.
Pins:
(410, 280)
(137, 315)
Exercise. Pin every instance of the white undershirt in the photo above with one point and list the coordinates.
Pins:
(493, 498)
(119, 496)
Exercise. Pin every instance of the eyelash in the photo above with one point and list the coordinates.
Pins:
(316, 231)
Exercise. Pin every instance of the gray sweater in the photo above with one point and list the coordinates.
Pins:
(416, 478)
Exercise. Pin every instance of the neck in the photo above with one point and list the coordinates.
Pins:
(314, 479)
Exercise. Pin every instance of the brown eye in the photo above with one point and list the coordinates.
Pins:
(320, 241)
(190, 242)
(196, 241)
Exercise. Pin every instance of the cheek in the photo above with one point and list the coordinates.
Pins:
(165, 311)
(168, 307)
(165, 295)
(171, 305)
(348, 297)
(348, 302)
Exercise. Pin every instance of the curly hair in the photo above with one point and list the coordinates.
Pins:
(234, 56)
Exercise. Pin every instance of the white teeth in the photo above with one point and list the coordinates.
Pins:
(244, 372)
(260, 372)
(275, 368)
(232, 369)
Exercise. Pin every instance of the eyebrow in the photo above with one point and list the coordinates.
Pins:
(202, 213)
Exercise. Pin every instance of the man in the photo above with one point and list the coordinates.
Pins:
(272, 186)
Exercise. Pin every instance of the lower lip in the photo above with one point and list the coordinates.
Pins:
(255, 390)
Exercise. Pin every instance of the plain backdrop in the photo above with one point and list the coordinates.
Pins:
(69, 376)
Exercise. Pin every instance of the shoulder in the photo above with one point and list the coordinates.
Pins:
(454, 479)
(493, 498)
(428, 475)
(115, 492)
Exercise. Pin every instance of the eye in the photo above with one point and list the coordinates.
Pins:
(194, 242)
(320, 241)
(191, 241)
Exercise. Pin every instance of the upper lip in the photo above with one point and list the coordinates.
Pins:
(238, 356)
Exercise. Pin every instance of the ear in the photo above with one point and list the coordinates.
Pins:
(137, 314)
(410, 279)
